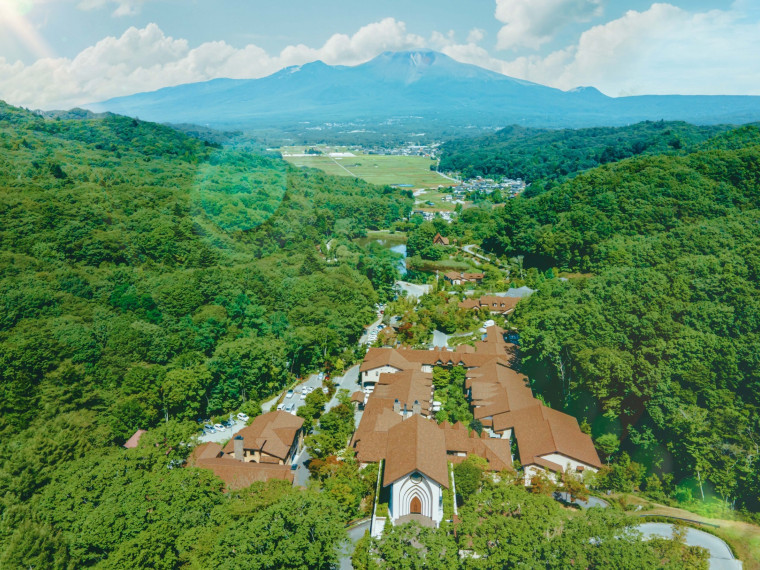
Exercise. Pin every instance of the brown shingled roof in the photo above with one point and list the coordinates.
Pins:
(272, 433)
(235, 474)
(358, 396)
(407, 387)
(540, 431)
(134, 440)
(371, 435)
(416, 444)
(469, 304)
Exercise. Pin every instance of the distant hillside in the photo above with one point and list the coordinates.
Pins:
(418, 86)
(534, 154)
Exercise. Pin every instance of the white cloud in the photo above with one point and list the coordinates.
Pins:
(475, 36)
(146, 59)
(661, 50)
(532, 23)
(123, 7)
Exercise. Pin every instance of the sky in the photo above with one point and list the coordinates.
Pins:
(57, 54)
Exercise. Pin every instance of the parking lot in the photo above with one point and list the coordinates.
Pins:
(224, 434)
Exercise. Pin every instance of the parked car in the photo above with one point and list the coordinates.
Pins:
(325, 390)
(280, 407)
(242, 417)
(219, 427)
(208, 426)
(289, 408)
(289, 394)
(303, 395)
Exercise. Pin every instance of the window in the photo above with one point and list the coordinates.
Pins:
(415, 477)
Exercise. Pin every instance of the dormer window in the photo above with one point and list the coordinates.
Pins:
(415, 478)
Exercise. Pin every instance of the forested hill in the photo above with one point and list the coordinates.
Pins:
(542, 154)
(146, 276)
(659, 344)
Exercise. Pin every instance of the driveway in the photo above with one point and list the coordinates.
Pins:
(413, 290)
(590, 502)
(364, 339)
(301, 475)
(440, 340)
(354, 534)
(349, 381)
(721, 557)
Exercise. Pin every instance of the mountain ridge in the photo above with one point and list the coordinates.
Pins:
(418, 83)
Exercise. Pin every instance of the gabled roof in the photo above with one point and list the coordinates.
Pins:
(469, 304)
(235, 474)
(407, 387)
(358, 396)
(416, 444)
(542, 431)
(272, 433)
(440, 239)
(133, 441)
(371, 435)
(379, 357)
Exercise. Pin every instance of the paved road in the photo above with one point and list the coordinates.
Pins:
(413, 290)
(354, 534)
(440, 340)
(301, 475)
(721, 557)
(364, 339)
(591, 502)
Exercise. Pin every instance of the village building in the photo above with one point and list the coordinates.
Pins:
(458, 278)
(398, 425)
(261, 451)
(440, 240)
(274, 438)
(494, 304)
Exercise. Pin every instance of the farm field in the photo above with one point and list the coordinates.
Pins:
(413, 171)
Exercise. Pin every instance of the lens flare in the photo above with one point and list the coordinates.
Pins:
(13, 21)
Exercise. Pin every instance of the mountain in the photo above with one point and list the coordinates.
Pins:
(413, 84)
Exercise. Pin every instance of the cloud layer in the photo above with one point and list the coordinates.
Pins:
(532, 23)
(660, 50)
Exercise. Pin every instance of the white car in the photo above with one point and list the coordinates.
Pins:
(289, 394)
(280, 407)
(303, 395)
(289, 408)
(219, 427)
(242, 417)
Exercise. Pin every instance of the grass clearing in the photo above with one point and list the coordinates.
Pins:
(413, 171)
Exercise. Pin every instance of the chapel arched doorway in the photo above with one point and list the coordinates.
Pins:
(415, 507)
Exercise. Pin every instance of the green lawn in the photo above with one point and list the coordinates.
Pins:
(412, 170)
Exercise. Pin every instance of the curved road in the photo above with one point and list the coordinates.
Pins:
(721, 557)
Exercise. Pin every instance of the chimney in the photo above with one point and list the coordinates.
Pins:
(396, 406)
(416, 407)
(237, 441)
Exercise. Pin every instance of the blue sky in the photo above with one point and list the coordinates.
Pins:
(60, 53)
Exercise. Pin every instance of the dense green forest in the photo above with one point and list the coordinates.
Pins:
(549, 155)
(149, 277)
(656, 342)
